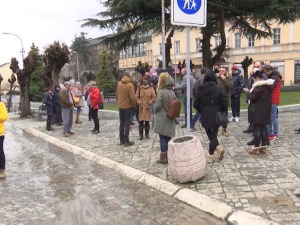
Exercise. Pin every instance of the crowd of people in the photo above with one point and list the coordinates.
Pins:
(66, 97)
(211, 91)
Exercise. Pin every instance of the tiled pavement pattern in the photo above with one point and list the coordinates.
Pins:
(266, 185)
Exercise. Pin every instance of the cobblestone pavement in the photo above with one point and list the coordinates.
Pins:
(266, 185)
(46, 185)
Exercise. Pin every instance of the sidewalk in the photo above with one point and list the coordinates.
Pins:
(265, 185)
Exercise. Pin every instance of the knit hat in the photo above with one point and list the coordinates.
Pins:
(234, 68)
(67, 83)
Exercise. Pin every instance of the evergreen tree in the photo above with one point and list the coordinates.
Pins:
(37, 82)
(105, 78)
(131, 18)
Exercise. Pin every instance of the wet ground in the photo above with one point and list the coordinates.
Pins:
(265, 185)
(47, 185)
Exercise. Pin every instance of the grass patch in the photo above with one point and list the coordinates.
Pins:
(286, 98)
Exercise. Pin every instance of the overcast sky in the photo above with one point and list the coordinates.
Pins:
(42, 22)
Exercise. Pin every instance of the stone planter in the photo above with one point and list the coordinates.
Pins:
(186, 159)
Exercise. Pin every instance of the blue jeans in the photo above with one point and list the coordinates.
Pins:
(164, 140)
(272, 128)
(185, 109)
(196, 117)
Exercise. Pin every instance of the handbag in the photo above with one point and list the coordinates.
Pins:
(221, 118)
(76, 99)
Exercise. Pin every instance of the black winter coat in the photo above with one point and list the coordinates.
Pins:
(260, 102)
(56, 98)
(207, 93)
(48, 101)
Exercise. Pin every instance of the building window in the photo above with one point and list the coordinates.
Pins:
(218, 41)
(237, 40)
(198, 44)
(177, 47)
(276, 36)
(250, 40)
(160, 48)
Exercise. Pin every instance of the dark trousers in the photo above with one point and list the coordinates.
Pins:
(212, 134)
(2, 155)
(226, 113)
(90, 109)
(94, 115)
(49, 122)
(235, 106)
(125, 116)
(260, 135)
(164, 140)
(58, 117)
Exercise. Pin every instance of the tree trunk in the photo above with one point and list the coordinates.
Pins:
(55, 77)
(208, 59)
(24, 101)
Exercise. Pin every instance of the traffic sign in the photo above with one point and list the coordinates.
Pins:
(188, 12)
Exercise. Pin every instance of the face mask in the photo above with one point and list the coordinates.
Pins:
(145, 83)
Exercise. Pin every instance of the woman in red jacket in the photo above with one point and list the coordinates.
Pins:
(95, 99)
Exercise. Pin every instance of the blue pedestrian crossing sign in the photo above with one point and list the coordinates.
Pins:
(188, 12)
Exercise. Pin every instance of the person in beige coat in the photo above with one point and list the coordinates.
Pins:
(78, 97)
(145, 98)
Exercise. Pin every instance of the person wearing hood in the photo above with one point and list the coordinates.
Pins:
(164, 126)
(127, 102)
(236, 91)
(56, 105)
(209, 98)
(260, 96)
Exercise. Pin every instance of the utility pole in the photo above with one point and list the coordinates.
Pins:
(163, 32)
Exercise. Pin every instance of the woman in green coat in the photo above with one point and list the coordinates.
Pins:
(164, 126)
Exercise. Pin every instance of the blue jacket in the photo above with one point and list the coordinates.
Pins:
(238, 84)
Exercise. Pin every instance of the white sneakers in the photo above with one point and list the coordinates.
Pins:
(234, 119)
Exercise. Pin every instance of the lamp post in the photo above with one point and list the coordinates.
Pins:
(22, 51)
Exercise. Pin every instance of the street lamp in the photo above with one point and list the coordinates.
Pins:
(163, 31)
(22, 51)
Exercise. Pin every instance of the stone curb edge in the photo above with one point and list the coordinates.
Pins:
(202, 202)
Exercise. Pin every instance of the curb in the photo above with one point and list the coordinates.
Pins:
(202, 202)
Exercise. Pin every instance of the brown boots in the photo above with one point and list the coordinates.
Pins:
(258, 150)
(77, 119)
(221, 152)
(2, 174)
(163, 158)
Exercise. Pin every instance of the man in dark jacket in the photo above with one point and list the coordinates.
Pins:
(56, 104)
(209, 99)
(48, 101)
(236, 90)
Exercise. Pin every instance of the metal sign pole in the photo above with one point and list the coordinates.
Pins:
(188, 74)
